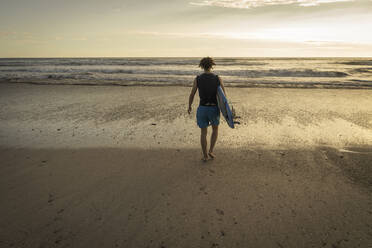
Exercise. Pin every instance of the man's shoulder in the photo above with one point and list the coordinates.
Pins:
(210, 74)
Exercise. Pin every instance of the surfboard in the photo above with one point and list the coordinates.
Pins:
(224, 107)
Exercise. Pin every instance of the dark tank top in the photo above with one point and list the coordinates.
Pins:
(207, 85)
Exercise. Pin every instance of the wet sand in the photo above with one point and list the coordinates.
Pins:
(120, 167)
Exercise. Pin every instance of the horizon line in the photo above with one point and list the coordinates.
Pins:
(108, 57)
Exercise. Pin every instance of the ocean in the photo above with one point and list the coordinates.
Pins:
(235, 72)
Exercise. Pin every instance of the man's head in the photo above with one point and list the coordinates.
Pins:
(206, 63)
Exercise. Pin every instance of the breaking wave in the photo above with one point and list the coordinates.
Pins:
(236, 72)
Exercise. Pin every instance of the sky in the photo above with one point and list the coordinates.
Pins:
(185, 28)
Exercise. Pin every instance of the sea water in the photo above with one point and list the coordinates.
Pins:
(236, 72)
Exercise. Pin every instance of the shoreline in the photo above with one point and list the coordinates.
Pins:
(153, 117)
(349, 86)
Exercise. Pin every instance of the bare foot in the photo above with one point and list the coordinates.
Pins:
(205, 159)
(211, 155)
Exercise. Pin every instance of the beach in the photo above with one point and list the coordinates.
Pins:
(115, 166)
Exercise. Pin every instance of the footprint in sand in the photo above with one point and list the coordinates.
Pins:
(51, 198)
(219, 211)
(43, 163)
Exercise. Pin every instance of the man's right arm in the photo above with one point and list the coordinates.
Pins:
(192, 94)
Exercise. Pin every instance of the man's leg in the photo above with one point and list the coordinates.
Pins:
(213, 140)
(203, 142)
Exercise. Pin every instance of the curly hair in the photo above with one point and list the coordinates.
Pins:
(206, 63)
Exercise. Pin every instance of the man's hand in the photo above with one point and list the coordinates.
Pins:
(189, 110)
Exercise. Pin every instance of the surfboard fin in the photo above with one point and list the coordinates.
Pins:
(233, 112)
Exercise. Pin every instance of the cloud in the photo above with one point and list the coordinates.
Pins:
(7, 34)
(304, 36)
(215, 35)
(248, 4)
(79, 39)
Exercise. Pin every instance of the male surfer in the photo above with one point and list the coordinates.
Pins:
(208, 112)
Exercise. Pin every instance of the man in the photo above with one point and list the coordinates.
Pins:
(208, 112)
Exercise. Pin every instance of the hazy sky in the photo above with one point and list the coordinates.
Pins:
(120, 28)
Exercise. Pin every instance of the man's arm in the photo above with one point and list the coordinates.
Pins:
(192, 94)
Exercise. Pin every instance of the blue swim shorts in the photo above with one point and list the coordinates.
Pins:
(207, 115)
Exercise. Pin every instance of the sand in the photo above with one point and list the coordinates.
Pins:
(91, 166)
